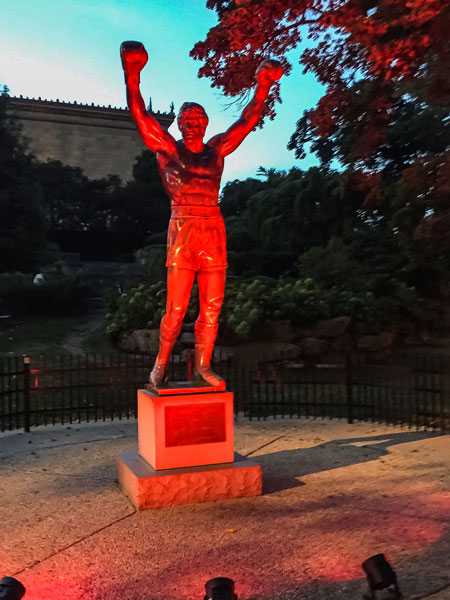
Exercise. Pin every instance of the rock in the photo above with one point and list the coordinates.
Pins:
(142, 341)
(222, 354)
(301, 333)
(311, 347)
(412, 340)
(342, 343)
(332, 328)
(406, 329)
(279, 331)
(376, 343)
(187, 338)
(288, 351)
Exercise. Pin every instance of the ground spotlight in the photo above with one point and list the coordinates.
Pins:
(220, 588)
(380, 576)
(11, 589)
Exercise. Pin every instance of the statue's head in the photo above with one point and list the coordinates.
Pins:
(192, 120)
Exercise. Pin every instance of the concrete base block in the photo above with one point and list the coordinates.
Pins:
(148, 488)
(185, 429)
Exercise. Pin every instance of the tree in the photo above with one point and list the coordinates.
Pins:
(383, 41)
(141, 206)
(385, 110)
(22, 223)
(293, 211)
(235, 194)
(75, 203)
(72, 201)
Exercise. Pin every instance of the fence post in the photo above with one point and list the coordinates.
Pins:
(26, 392)
(349, 385)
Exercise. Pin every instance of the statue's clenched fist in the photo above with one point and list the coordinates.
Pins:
(134, 56)
(268, 72)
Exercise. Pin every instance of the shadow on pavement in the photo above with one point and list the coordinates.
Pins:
(282, 468)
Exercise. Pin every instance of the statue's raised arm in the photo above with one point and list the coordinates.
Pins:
(267, 73)
(134, 58)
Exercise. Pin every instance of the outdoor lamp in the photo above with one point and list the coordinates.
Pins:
(380, 575)
(220, 588)
(11, 589)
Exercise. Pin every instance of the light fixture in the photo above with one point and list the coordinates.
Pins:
(380, 576)
(11, 589)
(220, 588)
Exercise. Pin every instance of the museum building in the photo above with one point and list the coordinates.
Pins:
(101, 140)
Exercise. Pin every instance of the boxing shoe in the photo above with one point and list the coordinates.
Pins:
(157, 374)
(202, 369)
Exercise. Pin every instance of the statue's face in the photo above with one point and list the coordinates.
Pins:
(192, 124)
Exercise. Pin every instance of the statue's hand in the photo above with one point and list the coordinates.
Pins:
(134, 57)
(268, 72)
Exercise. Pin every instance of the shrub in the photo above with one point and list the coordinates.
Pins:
(141, 307)
(249, 303)
(153, 258)
(252, 302)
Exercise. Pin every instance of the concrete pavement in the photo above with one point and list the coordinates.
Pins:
(334, 494)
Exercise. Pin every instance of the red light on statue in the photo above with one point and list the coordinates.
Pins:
(191, 171)
(186, 425)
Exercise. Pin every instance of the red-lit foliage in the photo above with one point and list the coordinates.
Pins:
(387, 41)
(384, 67)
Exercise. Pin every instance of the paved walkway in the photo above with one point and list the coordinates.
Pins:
(334, 495)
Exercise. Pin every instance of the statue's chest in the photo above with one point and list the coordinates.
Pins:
(188, 167)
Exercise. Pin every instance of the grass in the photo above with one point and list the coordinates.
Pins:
(33, 335)
(98, 341)
(47, 335)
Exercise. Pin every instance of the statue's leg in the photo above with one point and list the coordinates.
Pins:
(179, 286)
(211, 288)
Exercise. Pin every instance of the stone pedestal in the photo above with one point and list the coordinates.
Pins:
(186, 450)
(187, 428)
(148, 488)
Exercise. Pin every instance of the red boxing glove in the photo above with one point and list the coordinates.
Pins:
(134, 57)
(268, 72)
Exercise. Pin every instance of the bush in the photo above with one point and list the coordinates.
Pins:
(141, 308)
(249, 303)
(154, 259)
(252, 302)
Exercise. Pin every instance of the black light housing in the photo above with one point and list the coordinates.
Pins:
(11, 589)
(220, 588)
(380, 576)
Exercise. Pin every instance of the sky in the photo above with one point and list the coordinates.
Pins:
(69, 50)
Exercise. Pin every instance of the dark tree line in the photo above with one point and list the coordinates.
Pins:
(48, 200)
(384, 116)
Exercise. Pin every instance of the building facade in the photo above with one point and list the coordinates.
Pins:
(101, 140)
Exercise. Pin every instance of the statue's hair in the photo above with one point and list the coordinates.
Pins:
(194, 107)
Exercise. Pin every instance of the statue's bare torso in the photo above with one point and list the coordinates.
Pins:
(191, 178)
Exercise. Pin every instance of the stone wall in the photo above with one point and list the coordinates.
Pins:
(100, 140)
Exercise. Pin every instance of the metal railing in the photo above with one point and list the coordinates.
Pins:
(413, 391)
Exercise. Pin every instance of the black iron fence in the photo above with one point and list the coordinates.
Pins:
(412, 390)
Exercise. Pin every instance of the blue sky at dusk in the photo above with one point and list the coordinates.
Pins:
(70, 50)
